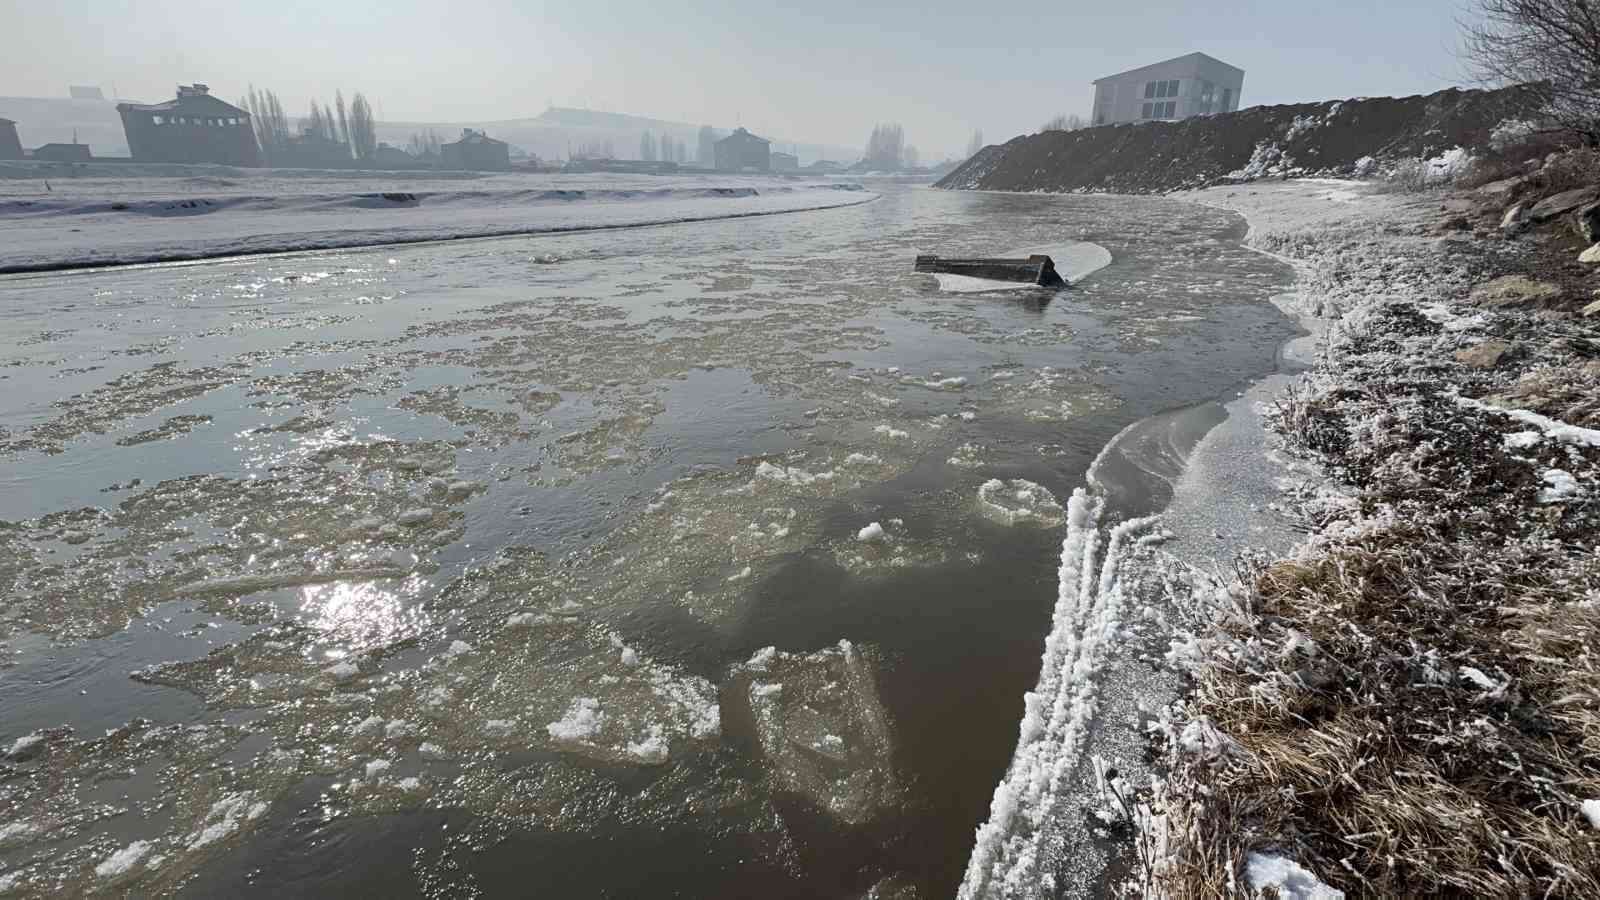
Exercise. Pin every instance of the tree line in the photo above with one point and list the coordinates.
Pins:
(355, 126)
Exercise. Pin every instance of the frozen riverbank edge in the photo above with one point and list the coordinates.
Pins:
(44, 237)
(1394, 686)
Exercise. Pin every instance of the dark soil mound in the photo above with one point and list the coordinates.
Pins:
(1265, 140)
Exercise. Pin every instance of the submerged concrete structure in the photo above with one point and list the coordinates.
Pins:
(1193, 85)
(744, 152)
(195, 127)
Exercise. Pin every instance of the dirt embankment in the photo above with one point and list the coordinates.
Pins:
(1331, 137)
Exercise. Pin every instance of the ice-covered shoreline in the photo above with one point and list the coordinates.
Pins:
(47, 233)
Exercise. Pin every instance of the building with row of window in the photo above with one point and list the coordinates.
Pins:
(1193, 85)
(194, 127)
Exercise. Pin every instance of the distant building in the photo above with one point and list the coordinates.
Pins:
(311, 151)
(785, 162)
(743, 151)
(1193, 85)
(193, 128)
(63, 153)
(388, 155)
(80, 92)
(10, 144)
(825, 165)
(476, 152)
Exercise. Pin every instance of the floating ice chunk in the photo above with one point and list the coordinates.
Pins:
(582, 721)
(653, 749)
(225, 817)
(1293, 881)
(825, 733)
(430, 750)
(630, 656)
(461, 489)
(863, 459)
(414, 517)
(343, 671)
(26, 746)
(523, 620)
(17, 831)
(123, 860)
(367, 724)
(458, 648)
(409, 785)
(761, 659)
(893, 434)
(741, 575)
(398, 728)
(377, 767)
(791, 476)
(499, 728)
(873, 532)
(1017, 502)
(1523, 440)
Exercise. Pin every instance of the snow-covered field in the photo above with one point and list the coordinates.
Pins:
(100, 220)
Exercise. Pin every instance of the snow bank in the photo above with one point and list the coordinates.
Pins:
(122, 861)
(1292, 881)
(45, 234)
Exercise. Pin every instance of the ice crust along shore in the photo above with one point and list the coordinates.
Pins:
(40, 234)
(1221, 507)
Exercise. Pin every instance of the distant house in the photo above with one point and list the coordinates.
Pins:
(744, 152)
(785, 162)
(193, 128)
(1193, 85)
(388, 155)
(63, 153)
(10, 144)
(310, 150)
(476, 152)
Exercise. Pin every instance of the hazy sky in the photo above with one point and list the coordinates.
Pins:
(815, 70)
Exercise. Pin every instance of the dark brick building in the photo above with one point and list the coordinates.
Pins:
(476, 152)
(742, 152)
(193, 128)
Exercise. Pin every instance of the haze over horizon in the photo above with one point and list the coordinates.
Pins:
(823, 72)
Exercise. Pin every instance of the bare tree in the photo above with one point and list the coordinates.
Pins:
(909, 157)
(886, 148)
(647, 147)
(344, 121)
(1550, 46)
(363, 131)
(425, 144)
(1064, 123)
(974, 145)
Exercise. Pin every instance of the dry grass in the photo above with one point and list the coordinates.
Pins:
(1411, 705)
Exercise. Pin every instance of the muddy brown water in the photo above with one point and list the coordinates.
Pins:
(656, 446)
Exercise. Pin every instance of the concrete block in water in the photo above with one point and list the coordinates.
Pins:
(1037, 269)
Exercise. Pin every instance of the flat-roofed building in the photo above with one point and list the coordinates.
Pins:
(10, 143)
(1193, 85)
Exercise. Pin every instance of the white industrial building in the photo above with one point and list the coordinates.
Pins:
(1193, 85)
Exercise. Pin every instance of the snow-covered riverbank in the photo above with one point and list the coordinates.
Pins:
(1378, 582)
(1405, 701)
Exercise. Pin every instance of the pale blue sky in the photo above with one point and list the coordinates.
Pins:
(815, 70)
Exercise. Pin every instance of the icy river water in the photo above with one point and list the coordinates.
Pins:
(703, 560)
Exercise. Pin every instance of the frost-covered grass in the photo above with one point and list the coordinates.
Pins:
(1410, 703)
